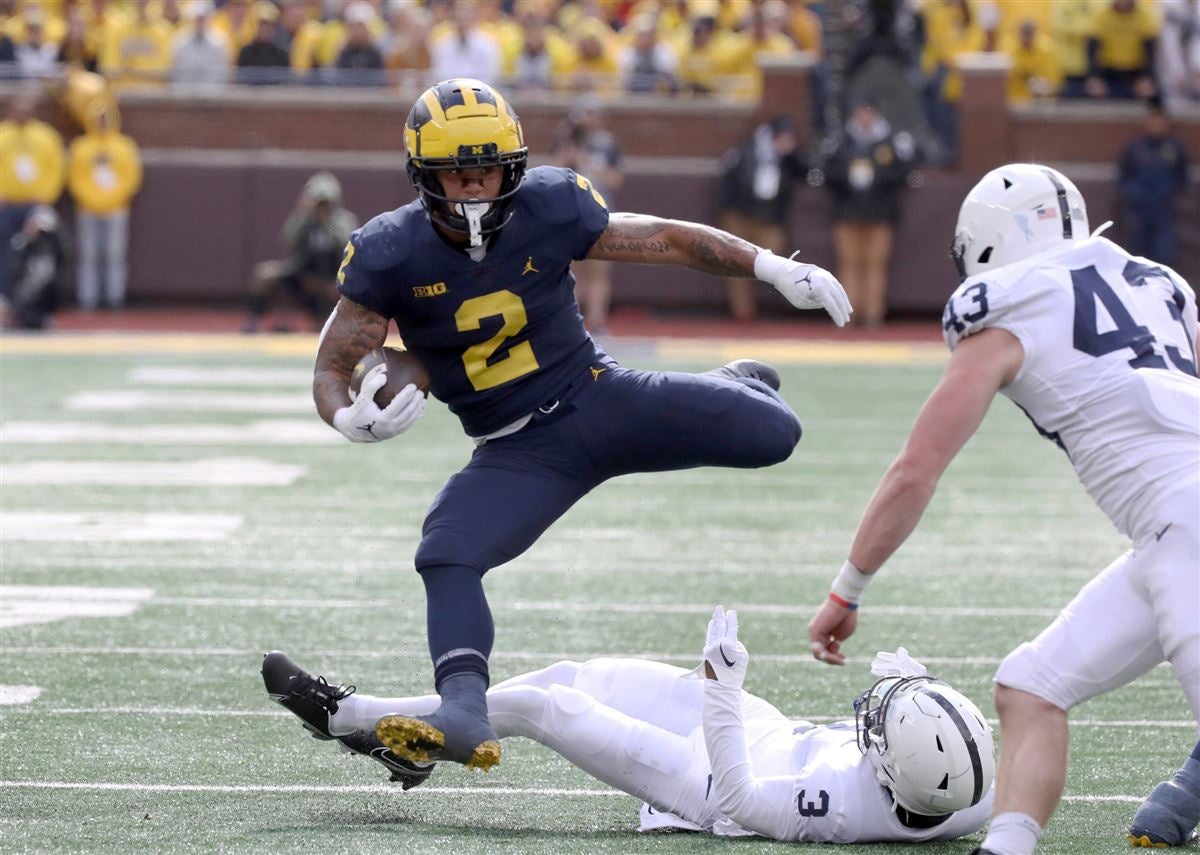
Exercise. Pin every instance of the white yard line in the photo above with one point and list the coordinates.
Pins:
(16, 695)
(270, 432)
(201, 712)
(198, 375)
(380, 789)
(211, 472)
(133, 400)
(25, 605)
(115, 526)
(602, 608)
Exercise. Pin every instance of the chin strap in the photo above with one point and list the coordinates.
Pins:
(474, 212)
(1102, 228)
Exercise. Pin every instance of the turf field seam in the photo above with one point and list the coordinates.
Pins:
(384, 788)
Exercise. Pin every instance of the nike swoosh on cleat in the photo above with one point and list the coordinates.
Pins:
(1164, 531)
(723, 656)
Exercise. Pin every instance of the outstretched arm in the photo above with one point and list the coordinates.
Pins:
(981, 365)
(644, 239)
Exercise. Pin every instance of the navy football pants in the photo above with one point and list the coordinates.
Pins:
(613, 422)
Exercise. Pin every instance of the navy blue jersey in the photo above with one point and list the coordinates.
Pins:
(500, 336)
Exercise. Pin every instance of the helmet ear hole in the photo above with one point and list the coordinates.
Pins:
(985, 256)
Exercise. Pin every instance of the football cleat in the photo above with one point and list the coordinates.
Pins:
(427, 738)
(979, 850)
(310, 698)
(751, 368)
(1166, 818)
(405, 773)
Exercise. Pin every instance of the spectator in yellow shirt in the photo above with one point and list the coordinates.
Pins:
(31, 171)
(139, 49)
(105, 173)
(951, 29)
(1035, 72)
(1121, 51)
(1070, 24)
(594, 67)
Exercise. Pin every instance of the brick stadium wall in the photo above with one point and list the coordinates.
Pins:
(222, 173)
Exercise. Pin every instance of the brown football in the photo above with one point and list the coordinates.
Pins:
(402, 369)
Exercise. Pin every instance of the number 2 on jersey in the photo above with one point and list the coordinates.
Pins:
(519, 360)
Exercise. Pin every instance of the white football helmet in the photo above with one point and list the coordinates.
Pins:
(930, 746)
(1014, 212)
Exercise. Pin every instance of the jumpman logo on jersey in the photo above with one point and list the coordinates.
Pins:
(596, 372)
(529, 268)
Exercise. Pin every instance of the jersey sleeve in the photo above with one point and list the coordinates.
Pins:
(368, 268)
(762, 805)
(593, 216)
(567, 200)
(977, 305)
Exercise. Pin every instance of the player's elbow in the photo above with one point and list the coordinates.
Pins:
(734, 801)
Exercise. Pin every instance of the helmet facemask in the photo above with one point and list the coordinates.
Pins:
(476, 218)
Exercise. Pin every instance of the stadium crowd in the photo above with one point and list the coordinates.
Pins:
(1068, 48)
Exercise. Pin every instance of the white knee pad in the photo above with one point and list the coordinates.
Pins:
(1024, 669)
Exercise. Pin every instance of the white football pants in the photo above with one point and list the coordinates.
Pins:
(631, 723)
(1143, 609)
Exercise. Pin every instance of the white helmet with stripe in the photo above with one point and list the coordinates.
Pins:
(1014, 212)
(929, 744)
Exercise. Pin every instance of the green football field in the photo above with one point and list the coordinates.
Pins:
(172, 508)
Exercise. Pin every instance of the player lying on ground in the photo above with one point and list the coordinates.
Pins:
(1098, 348)
(476, 275)
(705, 755)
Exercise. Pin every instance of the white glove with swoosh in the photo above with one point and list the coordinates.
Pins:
(364, 421)
(726, 658)
(805, 286)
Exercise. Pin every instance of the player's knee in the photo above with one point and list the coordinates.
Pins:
(443, 551)
(1025, 673)
(777, 437)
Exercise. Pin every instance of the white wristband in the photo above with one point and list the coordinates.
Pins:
(850, 583)
(768, 266)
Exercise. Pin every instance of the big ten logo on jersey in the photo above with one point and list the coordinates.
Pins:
(586, 186)
(435, 290)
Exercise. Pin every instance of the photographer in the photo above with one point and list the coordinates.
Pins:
(315, 233)
(38, 254)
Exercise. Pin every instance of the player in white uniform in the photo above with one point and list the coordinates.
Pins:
(1098, 347)
(706, 756)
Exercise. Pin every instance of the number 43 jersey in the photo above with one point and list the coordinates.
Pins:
(1109, 371)
(502, 335)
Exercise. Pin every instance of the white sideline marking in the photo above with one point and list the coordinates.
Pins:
(196, 375)
(198, 712)
(262, 432)
(213, 472)
(25, 605)
(14, 695)
(209, 402)
(101, 527)
(379, 789)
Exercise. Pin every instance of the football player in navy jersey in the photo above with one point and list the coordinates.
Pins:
(476, 275)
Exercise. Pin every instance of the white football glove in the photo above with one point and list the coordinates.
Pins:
(364, 421)
(726, 656)
(805, 286)
(898, 664)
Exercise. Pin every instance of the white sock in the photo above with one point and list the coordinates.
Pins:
(361, 712)
(1012, 834)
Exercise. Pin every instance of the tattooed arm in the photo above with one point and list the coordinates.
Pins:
(651, 240)
(351, 332)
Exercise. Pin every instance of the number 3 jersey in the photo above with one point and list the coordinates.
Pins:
(500, 336)
(1109, 370)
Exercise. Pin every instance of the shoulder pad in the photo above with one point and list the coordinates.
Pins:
(384, 241)
(549, 193)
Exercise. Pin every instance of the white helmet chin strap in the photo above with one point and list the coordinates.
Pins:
(1102, 228)
(474, 212)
